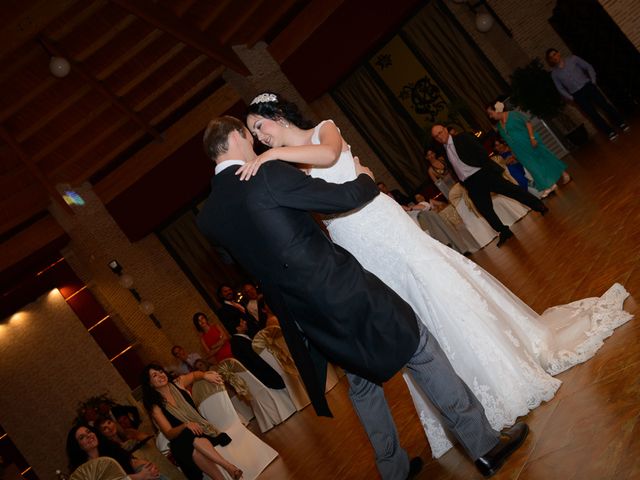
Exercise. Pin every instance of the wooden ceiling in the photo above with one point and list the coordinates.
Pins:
(138, 67)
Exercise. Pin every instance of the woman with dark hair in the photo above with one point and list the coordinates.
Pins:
(191, 438)
(84, 443)
(545, 168)
(214, 340)
(503, 350)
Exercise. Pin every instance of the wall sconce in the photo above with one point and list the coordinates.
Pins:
(59, 67)
(126, 281)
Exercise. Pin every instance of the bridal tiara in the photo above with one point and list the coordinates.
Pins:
(264, 97)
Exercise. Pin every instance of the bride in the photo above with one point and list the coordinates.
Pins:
(500, 347)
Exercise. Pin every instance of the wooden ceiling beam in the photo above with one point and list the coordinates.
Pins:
(269, 20)
(238, 23)
(33, 169)
(301, 28)
(216, 10)
(32, 19)
(101, 88)
(165, 20)
(180, 132)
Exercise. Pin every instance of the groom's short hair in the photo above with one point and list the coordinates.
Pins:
(216, 136)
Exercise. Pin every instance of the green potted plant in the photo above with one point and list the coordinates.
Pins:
(532, 90)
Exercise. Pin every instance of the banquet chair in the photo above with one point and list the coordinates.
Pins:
(246, 450)
(272, 348)
(270, 406)
(102, 468)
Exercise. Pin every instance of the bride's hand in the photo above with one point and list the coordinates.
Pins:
(250, 168)
(362, 169)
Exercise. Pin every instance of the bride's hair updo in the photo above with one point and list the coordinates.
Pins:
(274, 107)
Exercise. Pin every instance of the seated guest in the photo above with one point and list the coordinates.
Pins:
(129, 441)
(214, 340)
(84, 444)
(437, 226)
(185, 361)
(231, 311)
(515, 168)
(191, 438)
(201, 365)
(243, 351)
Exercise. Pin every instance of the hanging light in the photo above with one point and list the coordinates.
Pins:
(484, 22)
(59, 67)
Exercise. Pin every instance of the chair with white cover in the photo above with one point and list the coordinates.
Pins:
(272, 348)
(101, 468)
(162, 443)
(243, 409)
(246, 451)
(270, 406)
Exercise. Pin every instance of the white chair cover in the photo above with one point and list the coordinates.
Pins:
(270, 340)
(243, 409)
(294, 384)
(271, 407)
(508, 210)
(246, 451)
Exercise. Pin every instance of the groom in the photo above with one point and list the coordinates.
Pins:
(329, 307)
(481, 176)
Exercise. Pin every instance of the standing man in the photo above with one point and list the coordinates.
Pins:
(575, 79)
(231, 312)
(481, 176)
(329, 307)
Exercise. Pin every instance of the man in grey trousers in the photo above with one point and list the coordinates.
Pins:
(329, 307)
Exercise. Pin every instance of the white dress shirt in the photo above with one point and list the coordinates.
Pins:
(226, 164)
(463, 170)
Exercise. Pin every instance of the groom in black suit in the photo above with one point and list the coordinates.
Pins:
(481, 176)
(329, 307)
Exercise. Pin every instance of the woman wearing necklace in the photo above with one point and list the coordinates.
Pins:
(191, 438)
(545, 168)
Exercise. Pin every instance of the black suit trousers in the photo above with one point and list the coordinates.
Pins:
(481, 184)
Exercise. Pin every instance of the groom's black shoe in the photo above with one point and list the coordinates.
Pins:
(510, 440)
(415, 465)
(504, 236)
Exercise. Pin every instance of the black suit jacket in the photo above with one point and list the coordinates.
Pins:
(471, 152)
(230, 316)
(328, 306)
(242, 351)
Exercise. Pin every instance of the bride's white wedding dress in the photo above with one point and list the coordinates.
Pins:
(500, 347)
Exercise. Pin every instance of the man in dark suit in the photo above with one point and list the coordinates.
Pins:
(329, 307)
(243, 351)
(231, 312)
(481, 176)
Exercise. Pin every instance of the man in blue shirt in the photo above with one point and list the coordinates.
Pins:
(575, 79)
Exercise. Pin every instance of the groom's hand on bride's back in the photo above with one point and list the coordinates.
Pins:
(362, 169)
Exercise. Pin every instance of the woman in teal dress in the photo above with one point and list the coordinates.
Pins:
(545, 168)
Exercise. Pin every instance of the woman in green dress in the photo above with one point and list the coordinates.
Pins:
(545, 168)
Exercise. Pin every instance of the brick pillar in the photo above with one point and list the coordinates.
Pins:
(96, 239)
